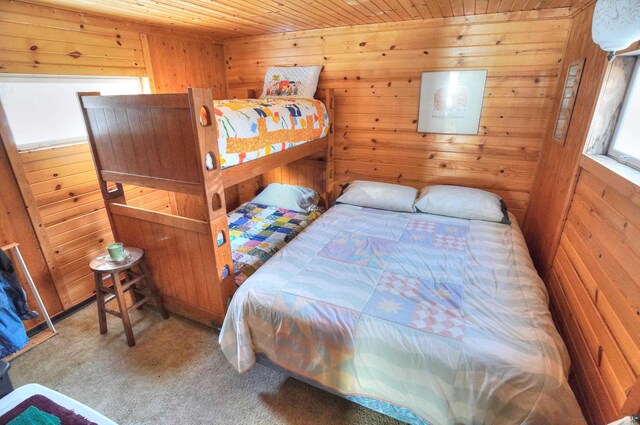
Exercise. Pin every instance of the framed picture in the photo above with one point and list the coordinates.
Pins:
(451, 101)
(568, 100)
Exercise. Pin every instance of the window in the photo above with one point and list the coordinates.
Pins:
(625, 144)
(44, 110)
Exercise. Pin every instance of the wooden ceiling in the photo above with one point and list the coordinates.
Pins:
(235, 18)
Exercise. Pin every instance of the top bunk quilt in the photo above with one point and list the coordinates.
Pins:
(249, 129)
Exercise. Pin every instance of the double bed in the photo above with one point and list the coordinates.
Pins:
(425, 318)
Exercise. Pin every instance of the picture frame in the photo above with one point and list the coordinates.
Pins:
(567, 101)
(451, 101)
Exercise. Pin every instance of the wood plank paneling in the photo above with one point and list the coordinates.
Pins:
(15, 227)
(182, 63)
(583, 232)
(42, 40)
(33, 41)
(595, 281)
(64, 183)
(557, 170)
(228, 18)
(375, 71)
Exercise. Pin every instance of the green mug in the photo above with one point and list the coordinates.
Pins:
(116, 251)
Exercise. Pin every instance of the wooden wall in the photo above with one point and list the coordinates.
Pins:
(177, 64)
(557, 172)
(583, 230)
(15, 226)
(43, 40)
(595, 290)
(69, 202)
(376, 71)
(36, 39)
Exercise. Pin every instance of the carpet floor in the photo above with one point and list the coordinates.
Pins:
(176, 374)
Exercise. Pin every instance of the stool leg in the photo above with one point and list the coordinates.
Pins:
(134, 294)
(102, 315)
(124, 312)
(153, 292)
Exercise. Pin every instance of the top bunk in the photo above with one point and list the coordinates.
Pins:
(172, 141)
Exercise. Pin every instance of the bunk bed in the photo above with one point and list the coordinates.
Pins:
(170, 142)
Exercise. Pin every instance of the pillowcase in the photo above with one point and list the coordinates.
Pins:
(291, 81)
(462, 202)
(290, 197)
(383, 196)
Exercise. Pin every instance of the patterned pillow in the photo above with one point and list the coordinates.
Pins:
(291, 81)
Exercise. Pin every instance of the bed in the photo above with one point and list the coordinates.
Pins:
(425, 318)
(196, 147)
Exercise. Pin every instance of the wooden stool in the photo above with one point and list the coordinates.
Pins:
(103, 265)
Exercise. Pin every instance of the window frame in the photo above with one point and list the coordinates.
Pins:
(618, 155)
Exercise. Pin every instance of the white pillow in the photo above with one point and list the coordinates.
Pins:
(383, 196)
(291, 81)
(294, 198)
(462, 202)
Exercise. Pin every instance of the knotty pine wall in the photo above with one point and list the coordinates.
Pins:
(15, 226)
(68, 206)
(558, 167)
(594, 284)
(376, 70)
(65, 187)
(584, 235)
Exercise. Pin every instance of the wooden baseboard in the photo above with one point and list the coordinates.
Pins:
(33, 342)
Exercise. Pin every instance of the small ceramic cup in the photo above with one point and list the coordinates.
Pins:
(116, 251)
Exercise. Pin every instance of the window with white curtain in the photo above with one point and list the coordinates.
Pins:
(44, 110)
(625, 144)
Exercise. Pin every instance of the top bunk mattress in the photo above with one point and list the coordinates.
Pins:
(249, 129)
(442, 317)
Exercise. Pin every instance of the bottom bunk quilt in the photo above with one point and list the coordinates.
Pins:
(257, 232)
(444, 318)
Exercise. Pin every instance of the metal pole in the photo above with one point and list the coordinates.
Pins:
(33, 288)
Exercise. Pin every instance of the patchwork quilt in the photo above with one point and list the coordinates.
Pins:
(252, 128)
(259, 231)
(429, 319)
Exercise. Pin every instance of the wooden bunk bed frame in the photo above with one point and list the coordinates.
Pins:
(169, 142)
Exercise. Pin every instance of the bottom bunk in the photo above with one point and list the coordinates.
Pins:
(197, 274)
(258, 231)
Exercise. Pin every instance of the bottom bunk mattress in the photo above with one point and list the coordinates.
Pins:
(443, 319)
(257, 232)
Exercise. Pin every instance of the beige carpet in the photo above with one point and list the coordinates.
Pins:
(176, 374)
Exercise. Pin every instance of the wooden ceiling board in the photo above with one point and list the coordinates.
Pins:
(231, 18)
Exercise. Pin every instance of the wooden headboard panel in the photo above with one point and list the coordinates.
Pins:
(155, 130)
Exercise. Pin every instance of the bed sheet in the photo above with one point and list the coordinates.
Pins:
(442, 317)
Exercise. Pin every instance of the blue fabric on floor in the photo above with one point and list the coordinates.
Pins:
(16, 294)
(12, 333)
